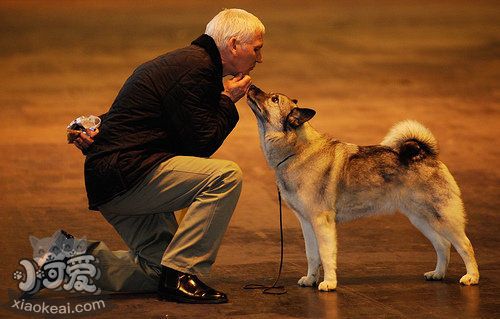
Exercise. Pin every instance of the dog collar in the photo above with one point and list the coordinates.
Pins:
(286, 158)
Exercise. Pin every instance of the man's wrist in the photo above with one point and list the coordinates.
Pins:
(226, 93)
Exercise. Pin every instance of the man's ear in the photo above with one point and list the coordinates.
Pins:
(299, 116)
(231, 45)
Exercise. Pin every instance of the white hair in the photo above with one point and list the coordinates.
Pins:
(236, 23)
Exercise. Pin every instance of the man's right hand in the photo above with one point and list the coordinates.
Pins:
(237, 87)
(85, 139)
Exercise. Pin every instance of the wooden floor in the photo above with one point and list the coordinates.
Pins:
(362, 66)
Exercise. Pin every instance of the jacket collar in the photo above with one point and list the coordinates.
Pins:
(207, 43)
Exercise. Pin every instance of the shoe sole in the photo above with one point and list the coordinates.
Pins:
(191, 301)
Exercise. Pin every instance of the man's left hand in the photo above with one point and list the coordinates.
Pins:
(85, 139)
(237, 87)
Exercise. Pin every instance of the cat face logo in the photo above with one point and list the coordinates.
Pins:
(59, 246)
(59, 262)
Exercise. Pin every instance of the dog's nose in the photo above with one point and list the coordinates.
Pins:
(254, 88)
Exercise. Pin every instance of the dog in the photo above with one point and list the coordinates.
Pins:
(325, 181)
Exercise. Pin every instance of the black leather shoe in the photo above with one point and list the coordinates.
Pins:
(181, 287)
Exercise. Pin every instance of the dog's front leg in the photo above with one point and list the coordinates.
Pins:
(326, 234)
(312, 253)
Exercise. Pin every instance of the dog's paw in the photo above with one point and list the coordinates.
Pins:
(434, 275)
(308, 281)
(327, 285)
(469, 279)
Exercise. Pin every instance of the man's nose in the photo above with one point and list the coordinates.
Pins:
(259, 58)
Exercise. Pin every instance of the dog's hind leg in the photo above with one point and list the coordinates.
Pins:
(312, 253)
(456, 235)
(464, 248)
(452, 227)
(441, 245)
(449, 222)
(326, 234)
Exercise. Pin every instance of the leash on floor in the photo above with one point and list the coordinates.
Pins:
(274, 290)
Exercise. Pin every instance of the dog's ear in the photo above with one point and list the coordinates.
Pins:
(299, 116)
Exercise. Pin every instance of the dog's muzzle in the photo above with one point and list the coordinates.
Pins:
(252, 92)
(255, 93)
(252, 96)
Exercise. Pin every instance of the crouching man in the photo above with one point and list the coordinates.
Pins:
(151, 157)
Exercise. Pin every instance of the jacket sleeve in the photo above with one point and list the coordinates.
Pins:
(201, 117)
(102, 116)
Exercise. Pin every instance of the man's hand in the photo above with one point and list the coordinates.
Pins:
(236, 87)
(85, 139)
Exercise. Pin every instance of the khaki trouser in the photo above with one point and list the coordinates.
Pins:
(143, 217)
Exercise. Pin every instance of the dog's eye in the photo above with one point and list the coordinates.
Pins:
(275, 99)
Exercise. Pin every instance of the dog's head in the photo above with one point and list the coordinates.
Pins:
(277, 112)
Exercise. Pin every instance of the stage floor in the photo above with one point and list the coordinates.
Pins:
(361, 66)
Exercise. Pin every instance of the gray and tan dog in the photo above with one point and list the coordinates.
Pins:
(325, 181)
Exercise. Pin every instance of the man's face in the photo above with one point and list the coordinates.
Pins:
(246, 55)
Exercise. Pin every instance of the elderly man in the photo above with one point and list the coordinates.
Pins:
(150, 157)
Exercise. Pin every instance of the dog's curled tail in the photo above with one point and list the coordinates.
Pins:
(412, 141)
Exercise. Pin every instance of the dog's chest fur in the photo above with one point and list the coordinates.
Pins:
(308, 179)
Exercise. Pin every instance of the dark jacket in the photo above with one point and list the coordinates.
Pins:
(169, 106)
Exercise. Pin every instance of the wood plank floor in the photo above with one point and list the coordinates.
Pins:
(361, 65)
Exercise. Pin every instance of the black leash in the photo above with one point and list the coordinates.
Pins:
(273, 290)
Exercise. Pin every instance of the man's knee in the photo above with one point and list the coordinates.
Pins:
(231, 173)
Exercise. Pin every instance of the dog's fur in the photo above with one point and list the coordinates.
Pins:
(325, 181)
